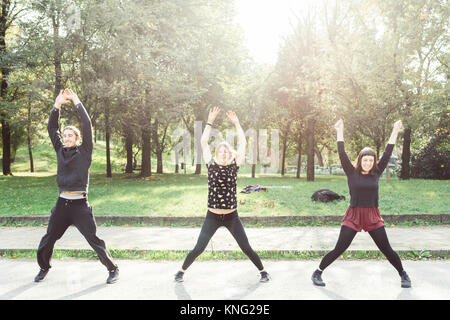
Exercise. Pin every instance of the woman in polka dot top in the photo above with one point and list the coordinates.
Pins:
(222, 204)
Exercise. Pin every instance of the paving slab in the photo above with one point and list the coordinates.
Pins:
(75, 279)
(267, 238)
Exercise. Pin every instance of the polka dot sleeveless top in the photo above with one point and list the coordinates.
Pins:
(222, 185)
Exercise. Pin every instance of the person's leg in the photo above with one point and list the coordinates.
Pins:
(57, 225)
(234, 225)
(346, 237)
(380, 238)
(83, 219)
(209, 227)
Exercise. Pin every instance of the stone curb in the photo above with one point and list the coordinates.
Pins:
(313, 252)
(198, 221)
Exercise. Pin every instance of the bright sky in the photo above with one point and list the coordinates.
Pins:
(265, 22)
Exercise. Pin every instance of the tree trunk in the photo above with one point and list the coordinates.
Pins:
(283, 156)
(310, 124)
(58, 52)
(6, 140)
(299, 149)
(108, 136)
(285, 141)
(30, 152)
(406, 154)
(198, 147)
(319, 156)
(6, 130)
(146, 132)
(146, 161)
(159, 162)
(129, 149)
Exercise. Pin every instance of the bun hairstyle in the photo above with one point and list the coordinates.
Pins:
(75, 130)
(367, 152)
(229, 148)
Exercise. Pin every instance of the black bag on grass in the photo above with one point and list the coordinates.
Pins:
(325, 195)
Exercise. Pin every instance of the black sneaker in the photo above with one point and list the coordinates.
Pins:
(264, 277)
(317, 278)
(41, 275)
(179, 276)
(406, 282)
(113, 276)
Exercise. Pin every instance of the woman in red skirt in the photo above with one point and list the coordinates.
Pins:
(363, 213)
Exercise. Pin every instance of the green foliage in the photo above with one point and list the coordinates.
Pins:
(433, 161)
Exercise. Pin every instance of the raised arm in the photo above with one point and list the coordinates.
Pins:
(345, 161)
(242, 141)
(86, 124)
(206, 134)
(53, 121)
(382, 164)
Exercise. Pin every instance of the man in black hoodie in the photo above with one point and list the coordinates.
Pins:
(72, 207)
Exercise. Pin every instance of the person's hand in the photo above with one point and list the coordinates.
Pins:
(339, 126)
(233, 117)
(70, 95)
(398, 125)
(213, 114)
(60, 100)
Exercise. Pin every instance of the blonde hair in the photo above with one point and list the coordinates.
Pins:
(225, 144)
(75, 130)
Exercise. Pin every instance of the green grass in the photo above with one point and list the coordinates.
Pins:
(186, 194)
(179, 255)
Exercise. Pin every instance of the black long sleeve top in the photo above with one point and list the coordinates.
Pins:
(363, 187)
(73, 164)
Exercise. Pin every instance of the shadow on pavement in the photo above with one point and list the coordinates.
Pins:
(84, 292)
(246, 292)
(180, 292)
(13, 293)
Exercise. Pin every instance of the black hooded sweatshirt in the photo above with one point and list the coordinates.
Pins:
(73, 164)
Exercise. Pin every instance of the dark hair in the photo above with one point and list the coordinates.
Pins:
(367, 152)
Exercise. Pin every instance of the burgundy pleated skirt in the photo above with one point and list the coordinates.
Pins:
(359, 218)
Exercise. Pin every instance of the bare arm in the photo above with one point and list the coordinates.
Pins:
(242, 141)
(206, 134)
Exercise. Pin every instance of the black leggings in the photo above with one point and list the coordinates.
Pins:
(345, 239)
(232, 222)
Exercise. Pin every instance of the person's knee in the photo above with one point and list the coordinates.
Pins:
(247, 249)
(198, 249)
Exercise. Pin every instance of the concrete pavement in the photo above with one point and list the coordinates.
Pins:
(267, 238)
(75, 279)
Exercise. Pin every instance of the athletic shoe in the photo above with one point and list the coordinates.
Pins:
(264, 277)
(179, 276)
(406, 282)
(113, 276)
(317, 278)
(41, 275)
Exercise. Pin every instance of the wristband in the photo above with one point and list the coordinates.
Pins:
(209, 124)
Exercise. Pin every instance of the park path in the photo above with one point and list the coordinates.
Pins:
(267, 238)
(73, 279)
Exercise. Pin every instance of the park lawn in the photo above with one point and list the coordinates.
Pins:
(186, 195)
(182, 194)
